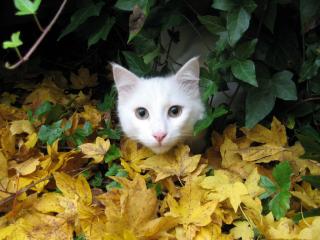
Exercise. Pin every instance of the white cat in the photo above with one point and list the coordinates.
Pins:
(159, 112)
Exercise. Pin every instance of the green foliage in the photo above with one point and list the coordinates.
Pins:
(280, 202)
(314, 180)
(97, 180)
(50, 133)
(109, 132)
(14, 43)
(82, 15)
(112, 154)
(310, 140)
(80, 134)
(27, 7)
(115, 170)
(209, 118)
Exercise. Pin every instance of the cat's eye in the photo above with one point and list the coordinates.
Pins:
(142, 113)
(175, 111)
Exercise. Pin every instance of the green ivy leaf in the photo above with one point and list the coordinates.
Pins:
(80, 134)
(213, 24)
(305, 214)
(110, 133)
(97, 180)
(246, 49)
(81, 15)
(224, 5)
(244, 70)
(310, 140)
(112, 154)
(280, 204)
(309, 69)
(50, 133)
(268, 185)
(284, 87)
(237, 23)
(102, 33)
(108, 101)
(15, 41)
(259, 103)
(314, 180)
(208, 119)
(136, 64)
(26, 7)
(128, 5)
(44, 108)
(282, 175)
(148, 57)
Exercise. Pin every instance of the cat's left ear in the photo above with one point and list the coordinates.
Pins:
(124, 79)
(189, 73)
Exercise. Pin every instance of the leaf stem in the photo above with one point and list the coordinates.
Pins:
(18, 52)
(39, 40)
(38, 22)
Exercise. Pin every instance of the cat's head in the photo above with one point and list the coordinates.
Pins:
(159, 112)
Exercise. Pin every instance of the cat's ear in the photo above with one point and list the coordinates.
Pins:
(188, 75)
(124, 79)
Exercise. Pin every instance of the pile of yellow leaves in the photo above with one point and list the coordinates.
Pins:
(44, 195)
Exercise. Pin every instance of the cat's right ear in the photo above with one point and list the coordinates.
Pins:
(124, 79)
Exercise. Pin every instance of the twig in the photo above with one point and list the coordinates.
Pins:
(39, 40)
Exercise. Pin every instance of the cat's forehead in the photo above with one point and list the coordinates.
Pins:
(158, 90)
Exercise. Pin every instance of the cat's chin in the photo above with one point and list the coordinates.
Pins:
(159, 149)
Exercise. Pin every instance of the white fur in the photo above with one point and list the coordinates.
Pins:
(157, 95)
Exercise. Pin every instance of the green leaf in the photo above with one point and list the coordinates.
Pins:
(15, 41)
(309, 10)
(314, 180)
(55, 113)
(112, 154)
(310, 140)
(136, 64)
(244, 70)
(309, 69)
(266, 183)
(113, 170)
(44, 108)
(50, 133)
(237, 23)
(148, 58)
(128, 5)
(208, 88)
(246, 49)
(102, 33)
(208, 119)
(222, 42)
(108, 101)
(97, 180)
(26, 7)
(280, 204)
(81, 15)
(305, 214)
(213, 24)
(80, 134)
(259, 103)
(284, 87)
(110, 133)
(282, 175)
(224, 5)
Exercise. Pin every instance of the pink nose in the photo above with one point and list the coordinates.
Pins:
(159, 136)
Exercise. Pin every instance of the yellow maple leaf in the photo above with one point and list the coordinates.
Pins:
(310, 198)
(127, 210)
(21, 126)
(4, 166)
(132, 155)
(174, 163)
(92, 115)
(242, 230)
(212, 231)
(83, 79)
(190, 210)
(96, 150)
(31, 140)
(26, 167)
(223, 188)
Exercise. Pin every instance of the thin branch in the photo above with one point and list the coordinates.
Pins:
(39, 40)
